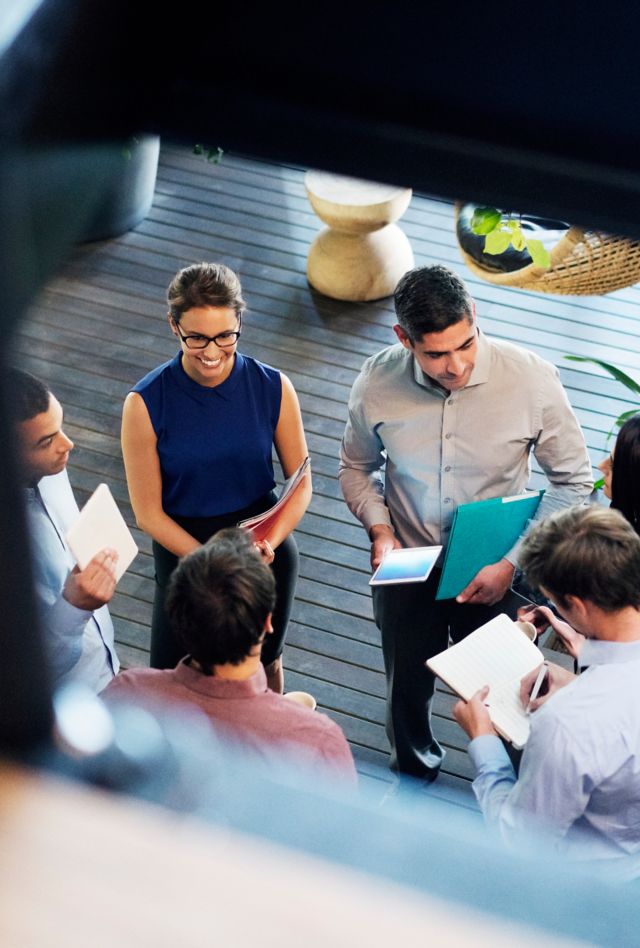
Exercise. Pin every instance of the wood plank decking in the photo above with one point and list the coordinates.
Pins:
(100, 325)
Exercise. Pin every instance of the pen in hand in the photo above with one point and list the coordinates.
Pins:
(535, 691)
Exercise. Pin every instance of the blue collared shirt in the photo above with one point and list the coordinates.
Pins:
(79, 642)
(439, 449)
(579, 779)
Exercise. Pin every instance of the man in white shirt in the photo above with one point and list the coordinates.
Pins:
(579, 778)
(76, 623)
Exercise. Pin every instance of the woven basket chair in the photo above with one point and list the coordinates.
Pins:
(583, 263)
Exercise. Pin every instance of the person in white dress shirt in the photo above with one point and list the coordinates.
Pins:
(72, 602)
(579, 778)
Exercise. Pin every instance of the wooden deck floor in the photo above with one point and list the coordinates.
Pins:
(100, 325)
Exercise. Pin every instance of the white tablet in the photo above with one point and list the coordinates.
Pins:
(406, 566)
(101, 524)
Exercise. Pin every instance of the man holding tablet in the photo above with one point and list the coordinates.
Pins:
(444, 417)
(406, 565)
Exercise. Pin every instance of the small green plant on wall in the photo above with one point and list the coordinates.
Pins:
(625, 380)
(502, 230)
(213, 155)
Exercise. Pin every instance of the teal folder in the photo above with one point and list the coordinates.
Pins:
(481, 533)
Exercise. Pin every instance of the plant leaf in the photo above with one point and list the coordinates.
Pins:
(485, 220)
(214, 155)
(626, 415)
(539, 254)
(617, 374)
(198, 150)
(497, 241)
(517, 238)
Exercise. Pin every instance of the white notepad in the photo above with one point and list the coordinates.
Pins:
(99, 525)
(497, 654)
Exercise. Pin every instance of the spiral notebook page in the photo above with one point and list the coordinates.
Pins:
(497, 654)
(507, 714)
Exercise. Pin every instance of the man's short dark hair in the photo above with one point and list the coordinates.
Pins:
(430, 299)
(27, 396)
(219, 597)
(590, 552)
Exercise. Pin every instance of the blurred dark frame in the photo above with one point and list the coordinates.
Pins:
(452, 101)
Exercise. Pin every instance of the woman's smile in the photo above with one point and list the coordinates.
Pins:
(212, 364)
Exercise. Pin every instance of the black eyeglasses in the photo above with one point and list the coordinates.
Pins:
(224, 340)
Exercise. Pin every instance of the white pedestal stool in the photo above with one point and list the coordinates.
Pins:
(362, 253)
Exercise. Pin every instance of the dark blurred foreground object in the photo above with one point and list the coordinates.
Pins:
(47, 195)
(92, 71)
(241, 834)
(469, 107)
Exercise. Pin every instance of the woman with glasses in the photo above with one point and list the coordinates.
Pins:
(197, 440)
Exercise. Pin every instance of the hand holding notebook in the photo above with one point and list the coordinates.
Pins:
(100, 524)
(497, 654)
(263, 523)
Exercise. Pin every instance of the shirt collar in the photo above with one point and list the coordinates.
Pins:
(597, 652)
(224, 390)
(221, 687)
(480, 373)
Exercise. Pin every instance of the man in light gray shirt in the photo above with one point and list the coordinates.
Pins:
(579, 779)
(77, 627)
(446, 417)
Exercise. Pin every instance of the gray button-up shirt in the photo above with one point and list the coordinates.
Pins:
(412, 451)
(80, 642)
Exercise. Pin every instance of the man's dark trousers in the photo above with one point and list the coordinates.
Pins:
(415, 627)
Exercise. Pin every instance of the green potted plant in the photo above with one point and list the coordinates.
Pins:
(530, 253)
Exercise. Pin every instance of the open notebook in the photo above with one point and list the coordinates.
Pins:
(261, 525)
(497, 654)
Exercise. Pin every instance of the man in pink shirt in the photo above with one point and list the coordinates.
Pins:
(219, 603)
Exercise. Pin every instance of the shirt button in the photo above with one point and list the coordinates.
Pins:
(447, 436)
(450, 402)
(447, 500)
(448, 467)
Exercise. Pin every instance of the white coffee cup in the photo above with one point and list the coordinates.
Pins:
(302, 697)
(528, 628)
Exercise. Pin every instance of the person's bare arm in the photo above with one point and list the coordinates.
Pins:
(144, 479)
(291, 448)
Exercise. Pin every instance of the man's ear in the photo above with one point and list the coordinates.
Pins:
(402, 336)
(268, 625)
(172, 325)
(576, 604)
